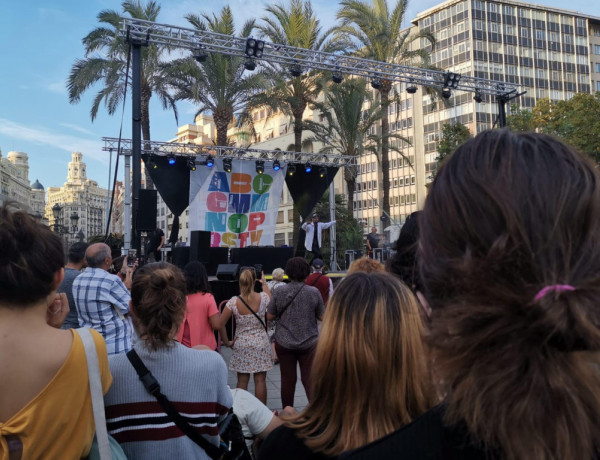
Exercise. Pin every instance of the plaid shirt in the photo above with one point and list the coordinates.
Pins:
(102, 303)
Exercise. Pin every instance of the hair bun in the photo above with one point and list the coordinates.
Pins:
(160, 279)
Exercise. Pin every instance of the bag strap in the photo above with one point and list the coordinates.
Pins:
(290, 302)
(254, 313)
(153, 387)
(91, 357)
(316, 279)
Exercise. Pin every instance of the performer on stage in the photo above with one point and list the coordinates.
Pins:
(372, 241)
(313, 235)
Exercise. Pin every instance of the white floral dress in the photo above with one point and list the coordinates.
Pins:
(252, 349)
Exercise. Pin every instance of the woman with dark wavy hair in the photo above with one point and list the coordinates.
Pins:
(510, 263)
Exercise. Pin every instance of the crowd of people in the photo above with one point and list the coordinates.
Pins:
(480, 339)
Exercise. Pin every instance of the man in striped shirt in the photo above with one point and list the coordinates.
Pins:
(102, 300)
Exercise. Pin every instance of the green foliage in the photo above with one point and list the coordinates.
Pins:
(453, 136)
(575, 121)
(377, 33)
(349, 234)
(220, 84)
(115, 241)
(520, 120)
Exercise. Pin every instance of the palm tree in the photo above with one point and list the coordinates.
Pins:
(295, 25)
(106, 60)
(378, 34)
(347, 128)
(217, 82)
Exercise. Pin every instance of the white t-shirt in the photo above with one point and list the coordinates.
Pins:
(254, 416)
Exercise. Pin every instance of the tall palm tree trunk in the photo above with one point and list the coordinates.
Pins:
(145, 112)
(350, 178)
(385, 148)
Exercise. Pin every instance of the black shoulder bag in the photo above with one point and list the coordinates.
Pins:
(264, 323)
(232, 443)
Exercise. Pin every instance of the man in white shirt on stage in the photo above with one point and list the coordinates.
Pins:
(313, 231)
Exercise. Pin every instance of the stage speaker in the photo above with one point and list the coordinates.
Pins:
(146, 221)
(228, 272)
(180, 256)
(199, 244)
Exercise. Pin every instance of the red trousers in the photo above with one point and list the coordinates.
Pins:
(287, 365)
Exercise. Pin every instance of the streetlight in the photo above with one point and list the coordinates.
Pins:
(56, 209)
(74, 219)
(80, 236)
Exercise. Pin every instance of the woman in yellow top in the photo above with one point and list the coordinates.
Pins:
(45, 403)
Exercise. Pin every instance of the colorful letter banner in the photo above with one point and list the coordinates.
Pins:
(238, 208)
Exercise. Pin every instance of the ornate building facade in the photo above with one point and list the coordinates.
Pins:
(81, 197)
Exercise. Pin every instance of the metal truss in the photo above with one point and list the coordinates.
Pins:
(201, 153)
(179, 37)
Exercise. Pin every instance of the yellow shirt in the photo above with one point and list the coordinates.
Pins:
(59, 422)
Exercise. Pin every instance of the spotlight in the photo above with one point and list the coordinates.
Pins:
(254, 48)
(260, 166)
(478, 97)
(412, 88)
(171, 159)
(307, 168)
(451, 80)
(227, 164)
(291, 169)
(322, 171)
(200, 55)
(250, 64)
(191, 164)
(276, 165)
(337, 77)
(446, 93)
(296, 70)
(375, 83)
(151, 164)
(210, 161)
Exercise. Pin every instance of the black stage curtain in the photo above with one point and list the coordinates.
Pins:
(173, 184)
(307, 189)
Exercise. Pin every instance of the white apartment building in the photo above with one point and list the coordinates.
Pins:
(15, 186)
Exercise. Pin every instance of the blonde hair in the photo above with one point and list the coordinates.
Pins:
(371, 338)
(247, 280)
(364, 264)
(277, 274)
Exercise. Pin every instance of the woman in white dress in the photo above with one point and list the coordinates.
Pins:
(251, 346)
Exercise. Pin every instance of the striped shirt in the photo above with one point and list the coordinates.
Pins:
(196, 384)
(102, 303)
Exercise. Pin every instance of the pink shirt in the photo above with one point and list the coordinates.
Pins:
(200, 307)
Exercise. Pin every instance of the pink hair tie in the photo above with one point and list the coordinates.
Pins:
(553, 288)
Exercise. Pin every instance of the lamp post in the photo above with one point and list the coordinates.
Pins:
(56, 209)
(80, 236)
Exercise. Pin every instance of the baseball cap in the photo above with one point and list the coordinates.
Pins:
(317, 263)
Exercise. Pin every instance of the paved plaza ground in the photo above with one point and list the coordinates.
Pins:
(273, 385)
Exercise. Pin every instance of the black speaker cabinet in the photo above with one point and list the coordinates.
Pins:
(180, 256)
(146, 221)
(199, 244)
(228, 272)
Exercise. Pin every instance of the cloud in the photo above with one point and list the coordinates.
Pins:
(57, 87)
(78, 128)
(44, 136)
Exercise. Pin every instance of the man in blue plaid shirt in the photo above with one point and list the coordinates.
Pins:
(102, 300)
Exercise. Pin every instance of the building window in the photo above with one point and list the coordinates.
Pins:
(596, 49)
(598, 67)
(280, 217)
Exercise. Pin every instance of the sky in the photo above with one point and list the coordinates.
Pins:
(40, 41)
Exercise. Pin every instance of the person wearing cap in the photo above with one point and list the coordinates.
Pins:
(319, 280)
(313, 230)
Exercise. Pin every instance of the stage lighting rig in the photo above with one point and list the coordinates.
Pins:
(276, 165)
(376, 83)
(411, 88)
(191, 164)
(478, 97)
(451, 80)
(446, 93)
(210, 161)
(307, 168)
(291, 169)
(296, 70)
(200, 55)
(260, 166)
(337, 77)
(322, 171)
(254, 48)
(171, 159)
(227, 164)
(250, 64)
